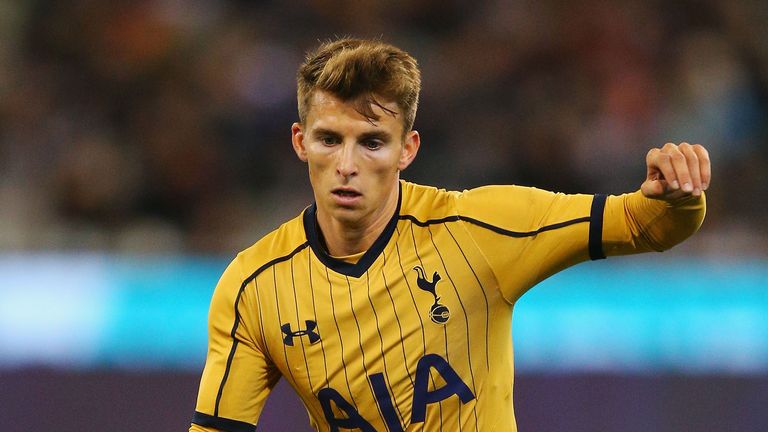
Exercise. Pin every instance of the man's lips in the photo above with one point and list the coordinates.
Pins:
(346, 192)
(346, 197)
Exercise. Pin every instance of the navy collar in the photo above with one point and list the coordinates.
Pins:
(314, 237)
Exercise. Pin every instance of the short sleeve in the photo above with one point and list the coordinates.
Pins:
(238, 376)
(528, 234)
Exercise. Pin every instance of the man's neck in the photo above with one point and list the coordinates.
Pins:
(344, 238)
(341, 240)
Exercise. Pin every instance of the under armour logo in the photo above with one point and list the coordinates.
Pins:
(438, 313)
(309, 331)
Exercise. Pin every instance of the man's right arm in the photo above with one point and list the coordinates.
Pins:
(238, 376)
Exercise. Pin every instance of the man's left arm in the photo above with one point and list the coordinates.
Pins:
(668, 208)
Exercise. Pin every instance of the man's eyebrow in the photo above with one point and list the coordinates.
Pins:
(380, 135)
(326, 132)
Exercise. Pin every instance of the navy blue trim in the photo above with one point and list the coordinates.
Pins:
(596, 227)
(237, 319)
(221, 423)
(430, 221)
(348, 269)
(498, 230)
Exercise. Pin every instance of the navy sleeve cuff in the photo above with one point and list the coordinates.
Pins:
(596, 227)
(220, 423)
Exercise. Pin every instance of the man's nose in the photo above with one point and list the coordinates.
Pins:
(346, 165)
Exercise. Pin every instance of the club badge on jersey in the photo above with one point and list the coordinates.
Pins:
(438, 313)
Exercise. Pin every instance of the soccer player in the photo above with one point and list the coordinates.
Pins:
(387, 305)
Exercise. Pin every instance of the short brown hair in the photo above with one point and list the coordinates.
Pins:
(356, 70)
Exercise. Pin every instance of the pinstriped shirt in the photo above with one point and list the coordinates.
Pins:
(416, 335)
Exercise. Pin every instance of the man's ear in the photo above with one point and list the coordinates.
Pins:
(411, 145)
(297, 139)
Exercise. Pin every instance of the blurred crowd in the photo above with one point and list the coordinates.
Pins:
(163, 126)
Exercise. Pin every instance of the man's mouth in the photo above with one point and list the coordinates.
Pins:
(346, 193)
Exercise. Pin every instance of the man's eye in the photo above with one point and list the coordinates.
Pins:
(329, 140)
(372, 144)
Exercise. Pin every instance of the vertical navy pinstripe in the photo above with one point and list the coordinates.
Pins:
(338, 330)
(381, 342)
(360, 342)
(416, 250)
(485, 297)
(298, 322)
(314, 309)
(279, 323)
(466, 323)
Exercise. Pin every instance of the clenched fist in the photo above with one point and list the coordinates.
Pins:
(676, 171)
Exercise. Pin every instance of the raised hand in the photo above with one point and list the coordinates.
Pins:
(676, 171)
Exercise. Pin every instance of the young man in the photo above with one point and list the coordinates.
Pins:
(388, 305)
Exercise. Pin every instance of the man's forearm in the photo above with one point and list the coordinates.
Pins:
(634, 223)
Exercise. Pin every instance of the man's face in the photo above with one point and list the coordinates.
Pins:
(354, 165)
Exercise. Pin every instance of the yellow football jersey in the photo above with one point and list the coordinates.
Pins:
(416, 334)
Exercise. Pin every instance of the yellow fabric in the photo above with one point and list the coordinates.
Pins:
(634, 223)
(488, 246)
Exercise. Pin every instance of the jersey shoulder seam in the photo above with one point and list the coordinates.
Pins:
(494, 228)
(274, 261)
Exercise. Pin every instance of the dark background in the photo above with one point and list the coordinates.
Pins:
(162, 128)
(163, 125)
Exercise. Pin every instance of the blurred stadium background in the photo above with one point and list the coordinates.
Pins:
(143, 143)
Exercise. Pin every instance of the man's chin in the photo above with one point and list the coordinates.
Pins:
(351, 215)
(347, 213)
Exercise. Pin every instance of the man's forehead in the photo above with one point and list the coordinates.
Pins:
(325, 107)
